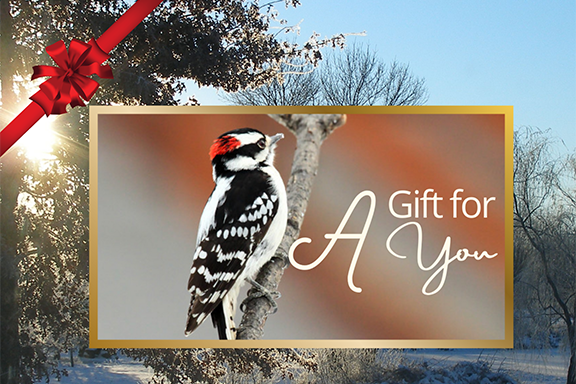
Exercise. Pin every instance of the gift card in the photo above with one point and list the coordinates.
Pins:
(400, 226)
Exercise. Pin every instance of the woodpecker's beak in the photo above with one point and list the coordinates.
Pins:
(274, 139)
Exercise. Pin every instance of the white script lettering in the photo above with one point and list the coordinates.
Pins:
(461, 255)
(339, 235)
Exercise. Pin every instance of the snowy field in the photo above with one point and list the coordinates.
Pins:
(103, 371)
(526, 366)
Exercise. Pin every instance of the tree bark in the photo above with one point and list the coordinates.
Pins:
(310, 131)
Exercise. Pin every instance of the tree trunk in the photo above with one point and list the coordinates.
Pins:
(310, 132)
(9, 304)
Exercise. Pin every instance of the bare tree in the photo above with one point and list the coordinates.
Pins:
(356, 76)
(297, 84)
(545, 231)
(402, 87)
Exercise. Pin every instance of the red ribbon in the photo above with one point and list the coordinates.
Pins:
(69, 82)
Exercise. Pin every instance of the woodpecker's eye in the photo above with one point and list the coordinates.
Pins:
(261, 143)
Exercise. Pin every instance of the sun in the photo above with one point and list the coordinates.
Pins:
(38, 142)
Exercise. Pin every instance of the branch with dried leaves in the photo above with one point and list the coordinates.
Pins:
(310, 131)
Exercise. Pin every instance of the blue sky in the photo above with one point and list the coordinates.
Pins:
(470, 53)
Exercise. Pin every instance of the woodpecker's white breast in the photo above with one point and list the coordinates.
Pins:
(217, 198)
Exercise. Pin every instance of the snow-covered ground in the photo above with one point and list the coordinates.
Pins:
(526, 366)
(103, 371)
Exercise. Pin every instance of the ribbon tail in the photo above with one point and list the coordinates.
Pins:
(52, 86)
(76, 99)
(62, 100)
(84, 86)
(48, 93)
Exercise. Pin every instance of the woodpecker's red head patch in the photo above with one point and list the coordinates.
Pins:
(223, 145)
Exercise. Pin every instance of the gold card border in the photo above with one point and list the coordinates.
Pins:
(507, 342)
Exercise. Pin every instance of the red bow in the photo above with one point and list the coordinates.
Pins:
(69, 82)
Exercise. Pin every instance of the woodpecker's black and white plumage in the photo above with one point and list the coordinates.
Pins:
(242, 225)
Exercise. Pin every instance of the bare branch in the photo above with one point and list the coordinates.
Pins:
(357, 76)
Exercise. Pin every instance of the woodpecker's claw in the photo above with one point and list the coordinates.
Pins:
(257, 291)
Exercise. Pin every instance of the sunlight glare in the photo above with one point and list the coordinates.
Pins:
(38, 142)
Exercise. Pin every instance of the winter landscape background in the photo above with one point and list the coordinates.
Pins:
(188, 52)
